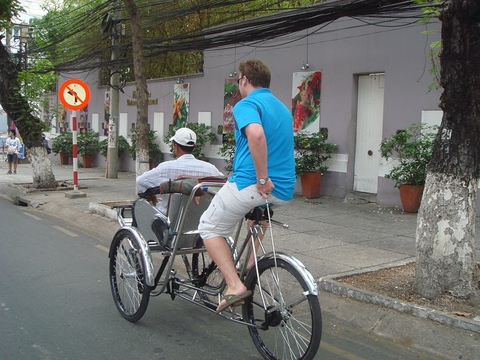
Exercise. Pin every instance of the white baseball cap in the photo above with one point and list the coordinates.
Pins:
(185, 137)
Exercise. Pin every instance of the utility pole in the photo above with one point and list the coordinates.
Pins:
(112, 147)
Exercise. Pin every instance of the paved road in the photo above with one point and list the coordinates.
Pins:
(331, 237)
(56, 304)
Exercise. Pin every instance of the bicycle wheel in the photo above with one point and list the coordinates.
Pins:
(291, 327)
(127, 278)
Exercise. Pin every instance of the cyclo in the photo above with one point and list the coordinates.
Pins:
(283, 315)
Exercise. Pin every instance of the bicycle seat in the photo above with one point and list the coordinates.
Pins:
(259, 213)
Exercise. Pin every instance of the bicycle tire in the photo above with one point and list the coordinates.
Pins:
(127, 277)
(294, 330)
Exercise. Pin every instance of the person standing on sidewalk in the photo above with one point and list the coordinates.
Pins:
(13, 147)
(263, 168)
(185, 164)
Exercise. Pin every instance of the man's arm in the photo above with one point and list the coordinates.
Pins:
(151, 178)
(257, 144)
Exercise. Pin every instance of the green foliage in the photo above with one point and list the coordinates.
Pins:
(412, 148)
(88, 143)
(154, 152)
(430, 11)
(227, 150)
(204, 135)
(9, 10)
(311, 152)
(36, 82)
(63, 143)
(122, 145)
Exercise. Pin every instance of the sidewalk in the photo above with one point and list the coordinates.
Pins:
(332, 237)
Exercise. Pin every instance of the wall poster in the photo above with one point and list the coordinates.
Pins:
(181, 104)
(83, 120)
(106, 114)
(231, 95)
(306, 96)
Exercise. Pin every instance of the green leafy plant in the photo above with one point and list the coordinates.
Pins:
(311, 152)
(227, 150)
(412, 149)
(88, 143)
(63, 144)
(154, 152)
(122, 144)
(204, 135)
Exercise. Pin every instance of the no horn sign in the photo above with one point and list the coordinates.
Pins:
(74, 94)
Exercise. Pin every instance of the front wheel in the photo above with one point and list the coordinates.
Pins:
(127, 277)
(287, 319)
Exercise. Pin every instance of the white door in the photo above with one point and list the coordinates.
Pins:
(369, 132)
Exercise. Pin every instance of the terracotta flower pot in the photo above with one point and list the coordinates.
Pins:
(64, 159)
(411, 197)
(311, 184)
(87, 160)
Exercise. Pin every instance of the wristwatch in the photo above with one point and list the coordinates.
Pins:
(263, 181)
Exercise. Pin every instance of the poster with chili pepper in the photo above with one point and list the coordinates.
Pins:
(181, 104)
(231, 95)
(306, 101)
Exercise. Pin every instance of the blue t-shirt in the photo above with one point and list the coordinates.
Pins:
(260, 106)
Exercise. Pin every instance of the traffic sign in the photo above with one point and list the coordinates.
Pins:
(74, 94)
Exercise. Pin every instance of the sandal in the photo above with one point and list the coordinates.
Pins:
(232, 300)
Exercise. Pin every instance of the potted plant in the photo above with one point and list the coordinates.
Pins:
(122, 145)
(155, 154)
(227, 150)
(88, 145)
(63, 144)
(411, 149)
(311, 152)
(204, 135)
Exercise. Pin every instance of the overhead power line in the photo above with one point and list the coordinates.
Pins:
(244, 32)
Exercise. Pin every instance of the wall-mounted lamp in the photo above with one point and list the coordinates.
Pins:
(232, 74)
(305, 65)
(179, 80)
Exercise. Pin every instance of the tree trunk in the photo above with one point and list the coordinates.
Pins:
(142, 151)
(446, 220)
(30, 127)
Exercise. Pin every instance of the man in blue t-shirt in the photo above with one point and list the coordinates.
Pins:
(263, 168)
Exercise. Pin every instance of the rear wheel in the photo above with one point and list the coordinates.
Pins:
(127, 277)
(287, 319)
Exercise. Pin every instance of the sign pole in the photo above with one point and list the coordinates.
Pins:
(75, 150)
(74, 95)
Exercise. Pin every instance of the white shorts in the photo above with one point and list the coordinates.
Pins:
(228, 207)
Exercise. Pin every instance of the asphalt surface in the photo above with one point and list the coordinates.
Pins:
(331, 237)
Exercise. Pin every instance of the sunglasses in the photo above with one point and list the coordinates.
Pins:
(240, 78)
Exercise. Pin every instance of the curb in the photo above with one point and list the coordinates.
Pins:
(332, 286)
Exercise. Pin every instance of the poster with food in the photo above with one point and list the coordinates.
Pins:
(231, 95)
(306, 101)
(181, 104)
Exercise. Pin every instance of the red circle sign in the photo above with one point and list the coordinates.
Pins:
(74, 94)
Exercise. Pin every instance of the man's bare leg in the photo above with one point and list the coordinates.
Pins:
(221, 254)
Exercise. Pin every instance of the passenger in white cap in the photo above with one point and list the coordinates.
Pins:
(185, 164)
